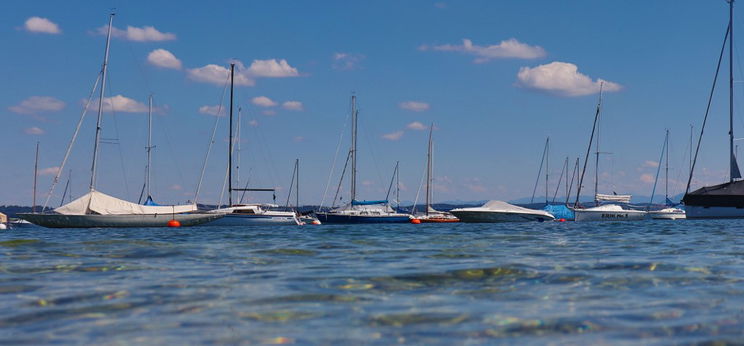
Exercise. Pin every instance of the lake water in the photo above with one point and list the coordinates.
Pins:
(531, 283)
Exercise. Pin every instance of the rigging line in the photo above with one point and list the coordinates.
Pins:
(539, 173)
(168, 143)
(658, 169)
(245, 188)
(211, 141)
(333, 166)
(707, 109)
(72, 142)
(392, 180)
(372, 153)
(421, 183)
(291, 185)
(227, 174)
(118, 138)
(589, 148)
(340, 181)
(560, 178)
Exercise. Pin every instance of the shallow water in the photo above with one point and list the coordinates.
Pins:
(533, 283)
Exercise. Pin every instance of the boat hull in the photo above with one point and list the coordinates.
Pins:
(699, 212)
(605, 215)
(493, 217)
(232, 220)
(116, 221)
(349, 219)
(438, 220)
(666, 215)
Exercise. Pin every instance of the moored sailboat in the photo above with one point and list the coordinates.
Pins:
(669, 212)
(431, 215)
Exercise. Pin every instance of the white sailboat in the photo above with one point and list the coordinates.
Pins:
(606, 212)
(670, 212)
(431, 215)
(253, 213)
(96, 209)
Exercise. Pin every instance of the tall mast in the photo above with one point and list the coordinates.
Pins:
(429, 171)
(733, 166)
(104, 68)
(237, 139)
(596, 162)
(547, 156)
(297, 184)
(353, 147)
(149, 145)
(666, 169)
(589, 148)
(229, 156)
(36, 174)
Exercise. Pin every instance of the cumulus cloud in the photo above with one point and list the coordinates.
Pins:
(263, 101)
(647, 178)
(414, 106)
(347, 61)
(41, 25)
(510, 48)
(271, 68)
(121, 103)
(394, 136)
(218, 75)
(562, 79)
(212, 110)
(144, 34)
(34, 131)
(652, 164)
(38, 104)
(163, 58)
(49, 171)
(416, 126)
(293, 105)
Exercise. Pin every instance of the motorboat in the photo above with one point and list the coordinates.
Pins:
(609, 212)
(668, 214)
(254, 214)
(499, 211)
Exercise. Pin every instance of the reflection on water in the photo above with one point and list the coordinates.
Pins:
(662, 282)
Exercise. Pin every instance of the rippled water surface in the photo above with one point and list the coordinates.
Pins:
(533, 283)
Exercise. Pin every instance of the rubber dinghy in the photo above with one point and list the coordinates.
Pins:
(499, 211)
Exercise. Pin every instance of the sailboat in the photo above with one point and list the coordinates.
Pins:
(602, 212)
(670, 212)
(96, 209)
(360, 211)
(724, 200)
(431, 215)
(253, 213)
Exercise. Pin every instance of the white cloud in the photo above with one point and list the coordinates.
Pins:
(212, 110)
(38, 104)
(49, 171)
(562, 79)
(263, 101)
(218, 75)
(41, 25)
(253, 122)
(144, 34)
(652, 164)
(293, 105)
(394, 136)
(34, 131)
(415, 106)
(510, 48)
(347, 61)
(647, 178)
(121, 103)
(416, 126)
(163, 58)
(272, 69)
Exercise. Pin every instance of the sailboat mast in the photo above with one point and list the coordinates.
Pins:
(237, 139)
(149, 144)
(230, 145)
(428, 171)
(733, 166)
(297, 183)
(36, 174)
(666, 169)
(589, 148)
(104, 68)
(596, 162)
(353, 147)
(547, 156)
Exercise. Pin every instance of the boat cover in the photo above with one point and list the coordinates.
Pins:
(722, 195)
(560, 211)
(95, 202)
(355, 202)
(506, 207)
(612, 198)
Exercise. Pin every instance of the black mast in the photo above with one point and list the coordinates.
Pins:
(229, 156)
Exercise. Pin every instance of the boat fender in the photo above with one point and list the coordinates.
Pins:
(174, 223)
(316, 222)
(415, 221)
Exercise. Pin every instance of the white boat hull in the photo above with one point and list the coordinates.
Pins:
(232, 220)
(696, 212)
(494, 216)
(120, 221)
(667, 214)
(605, 215)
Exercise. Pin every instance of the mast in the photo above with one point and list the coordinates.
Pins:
(238, 135)
(596, 160)
(36, 174)
(666, 169)
(353, 147)
(429, 171)
(104, 68)
(734, 169)
(230, 145)
(297, 184)
(589, 148)
(547, 156)
(149, 146)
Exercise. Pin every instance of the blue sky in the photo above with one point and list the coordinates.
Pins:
(496, 77)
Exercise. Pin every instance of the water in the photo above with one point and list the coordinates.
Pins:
(534, 283)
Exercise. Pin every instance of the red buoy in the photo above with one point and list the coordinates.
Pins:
(174, 223)
(415, 221)
(562, 220)
(315, 222)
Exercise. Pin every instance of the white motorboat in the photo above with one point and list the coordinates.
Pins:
(668, 214)
(609, 212)
(254, 214)
(499, 211)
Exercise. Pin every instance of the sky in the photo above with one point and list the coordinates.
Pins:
(494, 77)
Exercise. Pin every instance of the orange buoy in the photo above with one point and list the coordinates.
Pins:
(562, 220)
(415, 221)
(174, 223)
(316, 222)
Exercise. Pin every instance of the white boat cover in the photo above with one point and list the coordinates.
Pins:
(612, 198)
(95, 202)
(506, 207)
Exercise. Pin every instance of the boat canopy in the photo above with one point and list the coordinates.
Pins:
(721, 195)
(560, 211)
(95, 202)
(355, 202)
(612, 198)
